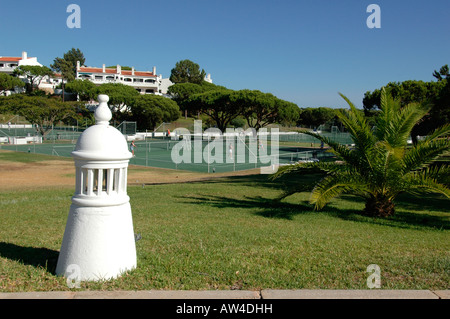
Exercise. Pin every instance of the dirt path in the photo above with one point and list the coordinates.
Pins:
(61, 173)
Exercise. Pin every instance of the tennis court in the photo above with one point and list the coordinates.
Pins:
(215, 155)
(206, 155)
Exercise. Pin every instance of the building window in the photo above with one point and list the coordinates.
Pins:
(99, 77)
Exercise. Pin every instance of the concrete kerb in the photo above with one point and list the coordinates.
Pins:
(234, 294)
(349, 294)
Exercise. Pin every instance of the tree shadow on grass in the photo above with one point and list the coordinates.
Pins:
(265, 207)
(427, 212)
(272, 208)
(429, 202)
(264, 180)
(34, 256)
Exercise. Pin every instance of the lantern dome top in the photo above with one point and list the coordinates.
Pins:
(102, 141)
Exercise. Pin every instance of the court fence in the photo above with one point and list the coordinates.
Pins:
(158, 150)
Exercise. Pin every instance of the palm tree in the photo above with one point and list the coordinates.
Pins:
(380, 165)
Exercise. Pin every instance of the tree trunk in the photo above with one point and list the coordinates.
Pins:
(379, 206)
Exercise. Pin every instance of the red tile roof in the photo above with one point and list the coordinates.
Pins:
(92, 70)
(6, 58)
(114, 71)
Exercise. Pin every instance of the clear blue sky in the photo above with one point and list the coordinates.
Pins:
(303, 51)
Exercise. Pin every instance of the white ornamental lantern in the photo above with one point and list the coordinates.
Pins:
(99, 239)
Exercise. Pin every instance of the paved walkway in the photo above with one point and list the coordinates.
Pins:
(234, 294)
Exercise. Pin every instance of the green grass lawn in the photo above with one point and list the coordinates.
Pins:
(29, 158)
(229, 233)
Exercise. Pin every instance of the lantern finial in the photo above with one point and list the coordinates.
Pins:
(102, 113)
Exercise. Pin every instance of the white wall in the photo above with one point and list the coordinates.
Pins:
(165, 83)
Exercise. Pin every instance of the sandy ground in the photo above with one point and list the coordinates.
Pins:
(61, 173)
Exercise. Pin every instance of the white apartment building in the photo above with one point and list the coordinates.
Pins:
(9, 64)
(145, 82)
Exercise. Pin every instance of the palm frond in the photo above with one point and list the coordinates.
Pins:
(425, 181)
(442, 174)
(403, 123)
(358, 116)
(287, 169)
(443, 131)
(395, 123)
(328, 167)
(388, 109)
(338, 149)
(424, 153)
(350, 156)
(359, 129)
(385, 160)
(334, 185)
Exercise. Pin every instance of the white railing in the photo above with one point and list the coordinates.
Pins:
(7, 68)
(140, 84)
(133, 84)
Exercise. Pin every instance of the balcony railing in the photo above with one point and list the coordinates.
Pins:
(134, 84)
(7, 68)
